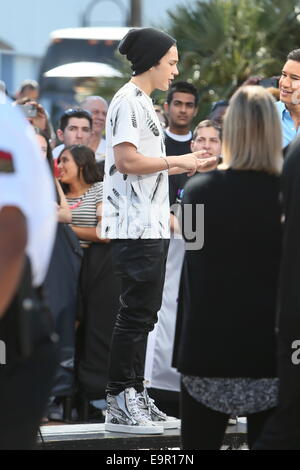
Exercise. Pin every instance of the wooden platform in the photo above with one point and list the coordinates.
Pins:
(94, 437)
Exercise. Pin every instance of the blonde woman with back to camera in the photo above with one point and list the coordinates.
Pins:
(225, 336)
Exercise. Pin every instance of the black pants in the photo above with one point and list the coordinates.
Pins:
(282, 431)
(27, 375)
(24, 389)
(203, 428)
(140, 264)
(100, 298)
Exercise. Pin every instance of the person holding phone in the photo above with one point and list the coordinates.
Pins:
(37, 116)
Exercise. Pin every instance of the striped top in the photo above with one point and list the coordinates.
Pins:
(84, 208)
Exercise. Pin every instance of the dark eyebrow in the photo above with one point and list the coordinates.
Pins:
(78, 127)
(297, 77)
(184, 102)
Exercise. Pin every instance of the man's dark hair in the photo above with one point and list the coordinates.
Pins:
(183, 87)
(294, 55)
(76, 113)
(84, 157)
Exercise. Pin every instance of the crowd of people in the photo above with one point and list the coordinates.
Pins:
(166, 333)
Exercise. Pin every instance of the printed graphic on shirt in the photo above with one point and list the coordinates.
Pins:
(115, 125)
(6, 162)
(152, 126)
(113, 170)
(133, 118)
(134, 206)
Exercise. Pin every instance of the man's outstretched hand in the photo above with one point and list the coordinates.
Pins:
(207, 164)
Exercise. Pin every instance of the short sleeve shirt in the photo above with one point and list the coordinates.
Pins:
(289, 131)
(26, 183)
(134, 206)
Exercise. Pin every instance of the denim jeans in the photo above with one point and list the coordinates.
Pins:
(140, 264)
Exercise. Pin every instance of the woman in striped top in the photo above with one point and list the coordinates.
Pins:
(99, 289)
(80, 177)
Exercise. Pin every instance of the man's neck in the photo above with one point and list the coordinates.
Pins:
(142, 82)
(95, 141)
(179, 130)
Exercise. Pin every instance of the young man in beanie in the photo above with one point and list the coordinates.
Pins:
(136, 217)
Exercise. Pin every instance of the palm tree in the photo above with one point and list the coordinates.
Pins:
(223, 42)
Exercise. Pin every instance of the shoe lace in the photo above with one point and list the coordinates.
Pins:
(153, 407)
(134, 409)
(148, 403)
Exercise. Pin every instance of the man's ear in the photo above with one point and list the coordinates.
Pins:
(60, 135)
(196, 111)
(166, 108)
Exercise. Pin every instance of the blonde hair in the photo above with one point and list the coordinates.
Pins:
(252, 132)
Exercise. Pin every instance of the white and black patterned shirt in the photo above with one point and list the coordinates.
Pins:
(134, 206)
(84, 208)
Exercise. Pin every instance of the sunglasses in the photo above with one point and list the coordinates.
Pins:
(73, 111)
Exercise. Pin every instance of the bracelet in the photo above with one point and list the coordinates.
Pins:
(168, 166)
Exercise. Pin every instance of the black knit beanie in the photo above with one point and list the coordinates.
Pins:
(144, 47)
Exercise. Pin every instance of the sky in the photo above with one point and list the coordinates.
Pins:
(26, 25)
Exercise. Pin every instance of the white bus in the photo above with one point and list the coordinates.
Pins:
(73, 53)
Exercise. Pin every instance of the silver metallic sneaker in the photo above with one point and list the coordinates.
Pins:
(159, 418)
(124, 415)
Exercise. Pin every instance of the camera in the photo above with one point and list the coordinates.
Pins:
(29, 110)
(269, 82)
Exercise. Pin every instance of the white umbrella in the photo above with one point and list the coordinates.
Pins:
(83, 69)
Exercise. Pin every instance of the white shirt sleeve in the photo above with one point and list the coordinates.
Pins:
(126, 122)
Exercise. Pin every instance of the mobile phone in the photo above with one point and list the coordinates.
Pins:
(29, 110)
(271, 82)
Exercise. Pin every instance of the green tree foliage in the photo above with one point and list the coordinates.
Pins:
(223, 42)
(107, 87)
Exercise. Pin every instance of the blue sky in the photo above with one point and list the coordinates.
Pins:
(26, 25)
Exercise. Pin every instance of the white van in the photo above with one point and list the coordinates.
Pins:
(73, 53)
